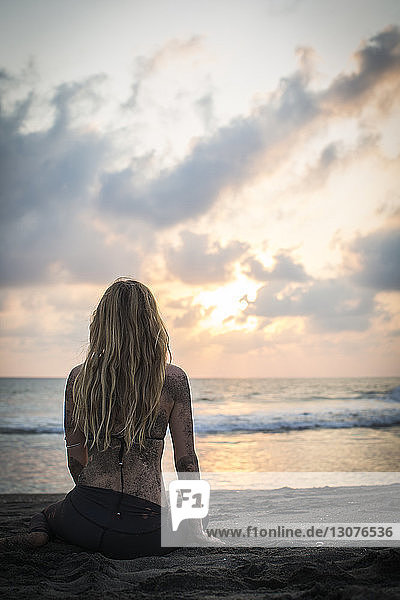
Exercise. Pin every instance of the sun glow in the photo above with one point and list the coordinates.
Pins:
(229, 301)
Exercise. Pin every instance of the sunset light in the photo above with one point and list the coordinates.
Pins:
(244, 168)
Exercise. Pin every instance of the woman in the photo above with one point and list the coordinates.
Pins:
(118, 405)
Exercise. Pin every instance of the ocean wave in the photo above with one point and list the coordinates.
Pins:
(206, 399)
(354, 395)
(32, 429)
(335, 396)
(393, 395)
(256, 422)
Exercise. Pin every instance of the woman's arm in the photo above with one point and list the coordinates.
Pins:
(181, 427)
(77, 454)
(186, 463)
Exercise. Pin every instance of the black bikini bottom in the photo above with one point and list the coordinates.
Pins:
(103, 520)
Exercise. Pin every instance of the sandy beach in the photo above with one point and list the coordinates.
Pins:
(59, 570)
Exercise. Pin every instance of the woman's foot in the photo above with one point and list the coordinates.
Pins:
(26, 541)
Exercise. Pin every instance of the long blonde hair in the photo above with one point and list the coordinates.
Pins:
(123, 374)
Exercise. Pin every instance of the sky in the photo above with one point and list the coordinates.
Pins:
(240, 157)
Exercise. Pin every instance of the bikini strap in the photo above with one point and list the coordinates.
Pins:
(121, 462)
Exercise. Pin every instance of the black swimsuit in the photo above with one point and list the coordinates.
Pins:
(117, 524)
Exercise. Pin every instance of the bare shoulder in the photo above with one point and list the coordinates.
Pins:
(174, 371)
(176, 383)
(74, 372)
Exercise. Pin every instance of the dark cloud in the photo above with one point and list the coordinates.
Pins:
(195, 262)
(345, 303)
(192, 187)
(227, 159)
(334, 156)
(205, 108)
(57, 183)
(297, 105)
(328, 155)
(285, 269)
(377, 59)
(330, 304)
(239, 151)
(317, 174)
(47, 177)
(379, 258)
(42, 170)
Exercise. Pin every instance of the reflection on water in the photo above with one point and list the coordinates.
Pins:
(324, 450)
(33, 463)
(241, 425)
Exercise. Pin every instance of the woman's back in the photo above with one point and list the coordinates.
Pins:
(118, 405)
(140, 472)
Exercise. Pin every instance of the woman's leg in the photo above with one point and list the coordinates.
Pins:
(39, 531)
(69, 524)
(26, 541)
(36, 536)
(39, 524)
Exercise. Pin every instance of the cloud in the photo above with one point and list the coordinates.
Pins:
(58, 185)
(46, 316)
(47, 229)
(335, 155)
(330, 157)
(50, 168)
(205, 108)
(331, 304)
(244, 148)
(379, 259)
(344, 303)
(192, 187)
(195, 262)
(145, 66)
(191, 316)
(285, 269)
(378, 59)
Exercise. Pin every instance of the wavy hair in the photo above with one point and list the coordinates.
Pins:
(121, 379)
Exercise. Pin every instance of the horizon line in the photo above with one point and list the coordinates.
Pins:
(248, 377)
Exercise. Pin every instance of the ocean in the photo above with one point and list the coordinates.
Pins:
(313, 426)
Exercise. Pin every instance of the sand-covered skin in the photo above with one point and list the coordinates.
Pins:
(59, 570)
